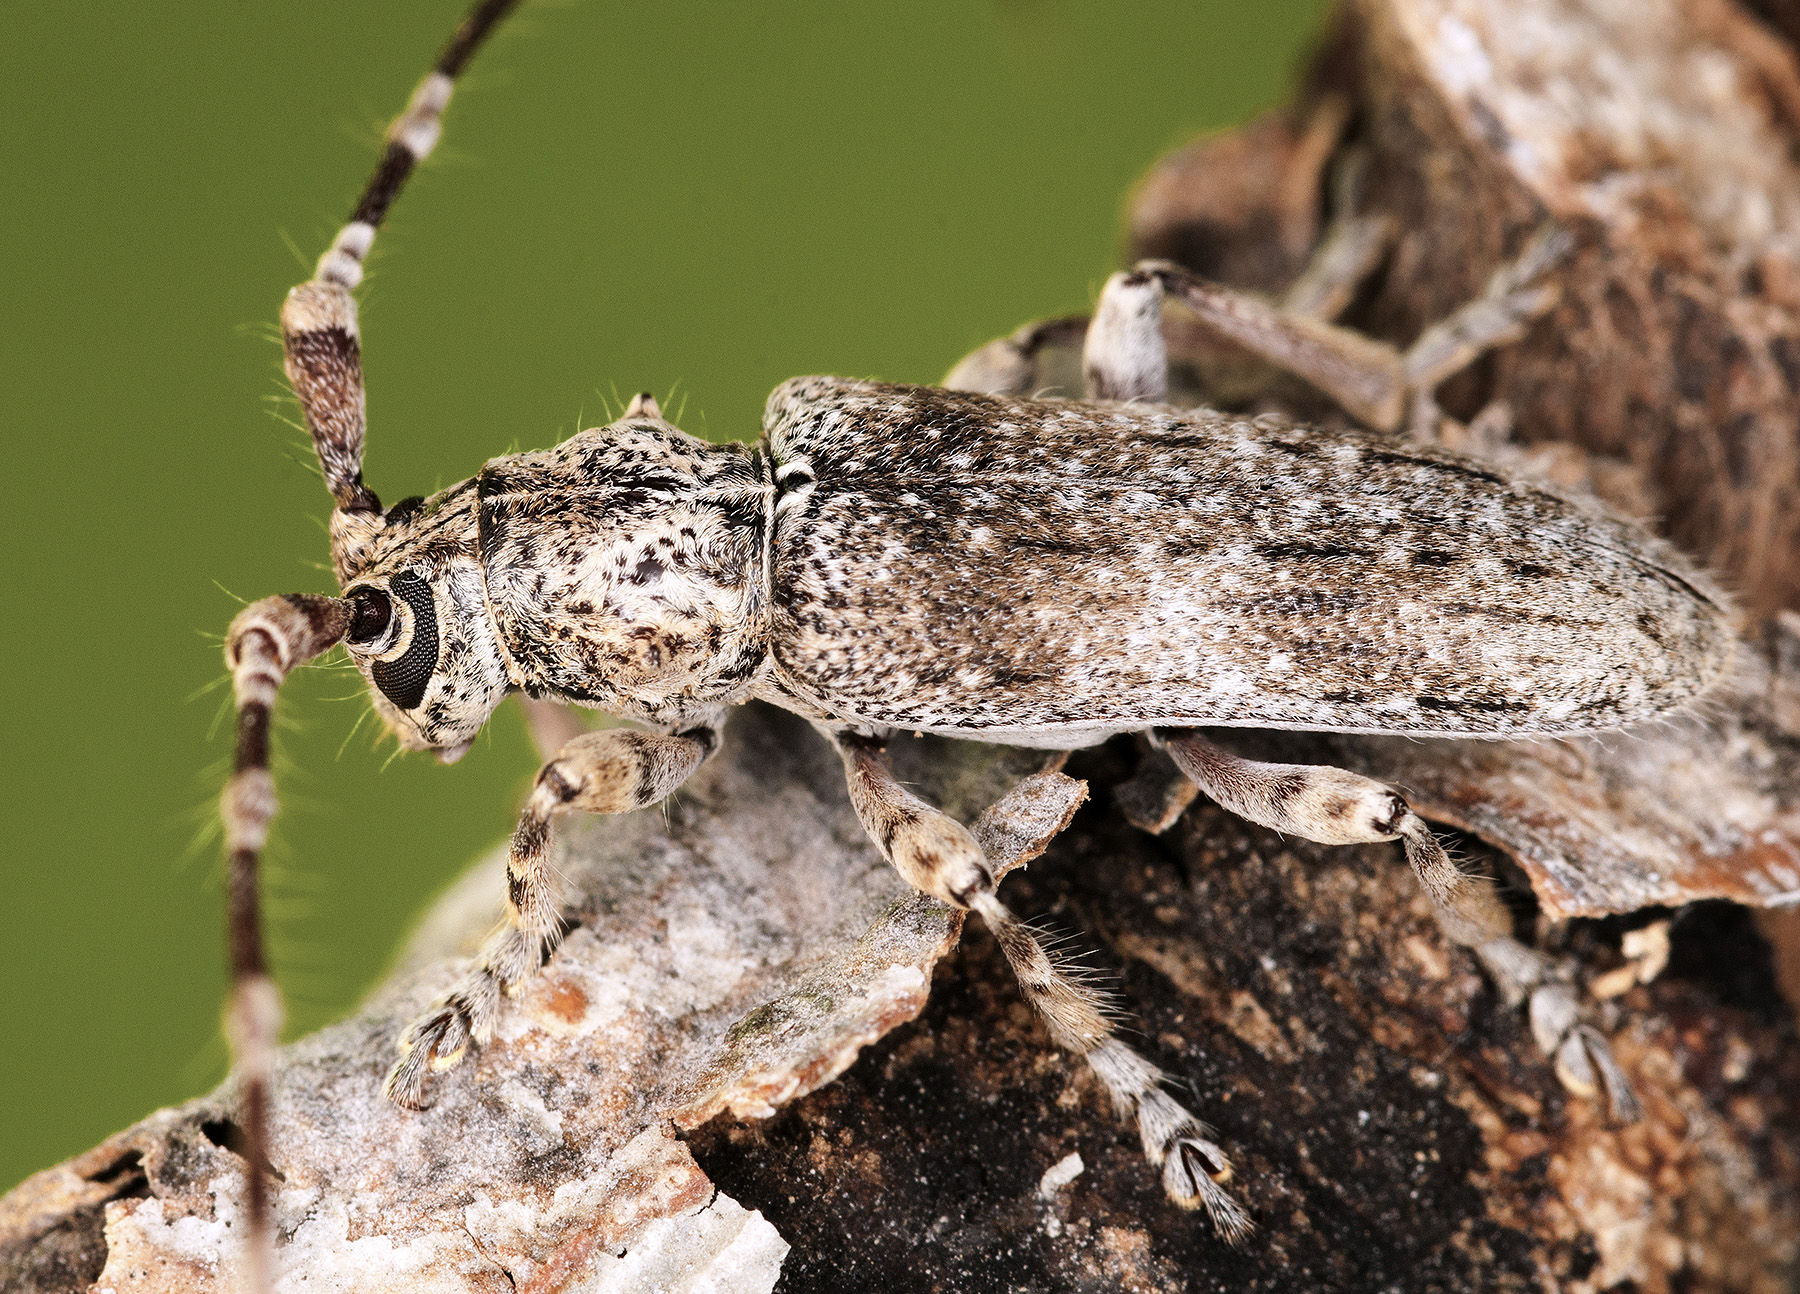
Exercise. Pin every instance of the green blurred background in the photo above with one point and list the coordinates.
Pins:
(697, 199)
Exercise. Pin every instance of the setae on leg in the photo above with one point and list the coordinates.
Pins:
(938, 855)
(1336, 807)
(611, 771)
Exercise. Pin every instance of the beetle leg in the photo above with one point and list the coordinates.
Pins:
(1375, 383)
(940, 856)
(1120, 354)
(1349, 250)
(1364, 376)
(1128, 343)
(933, 851)
(1124, 356)
(1583, 1059)
(1194, 1168)
(611, 771)
(1516, 293)
(1038, 359)
(1337, 807)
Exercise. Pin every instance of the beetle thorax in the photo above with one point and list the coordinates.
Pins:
(624, 569)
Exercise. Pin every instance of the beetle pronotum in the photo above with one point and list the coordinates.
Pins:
(974, 560)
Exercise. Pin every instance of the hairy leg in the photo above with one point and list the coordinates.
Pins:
(1125, 356)
(612, 771)
(1125, 351)
(1045, 358)
(1077, 1014)
(1516, 293)
(940, 856)
(1352, 245)
(932, 851)
(1335, 807)
(1025, 363)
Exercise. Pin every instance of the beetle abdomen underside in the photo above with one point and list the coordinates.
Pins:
(968, 563)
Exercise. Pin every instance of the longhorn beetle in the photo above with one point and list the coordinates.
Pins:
(971, 561)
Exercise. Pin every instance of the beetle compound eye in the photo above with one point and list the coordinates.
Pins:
(404, 679)
(370, 615)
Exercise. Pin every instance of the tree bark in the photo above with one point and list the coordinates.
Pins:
(660, 1107)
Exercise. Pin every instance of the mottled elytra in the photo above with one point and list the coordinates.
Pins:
(983, 560)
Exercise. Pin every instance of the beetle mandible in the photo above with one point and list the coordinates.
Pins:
(973, 561)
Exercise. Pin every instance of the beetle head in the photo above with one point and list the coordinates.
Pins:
(420, 631)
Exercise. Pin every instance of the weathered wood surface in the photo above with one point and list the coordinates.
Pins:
(730, 957)
(1392, 1126)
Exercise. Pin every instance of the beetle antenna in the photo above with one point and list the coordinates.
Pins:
(267, 640)
(321, 345)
